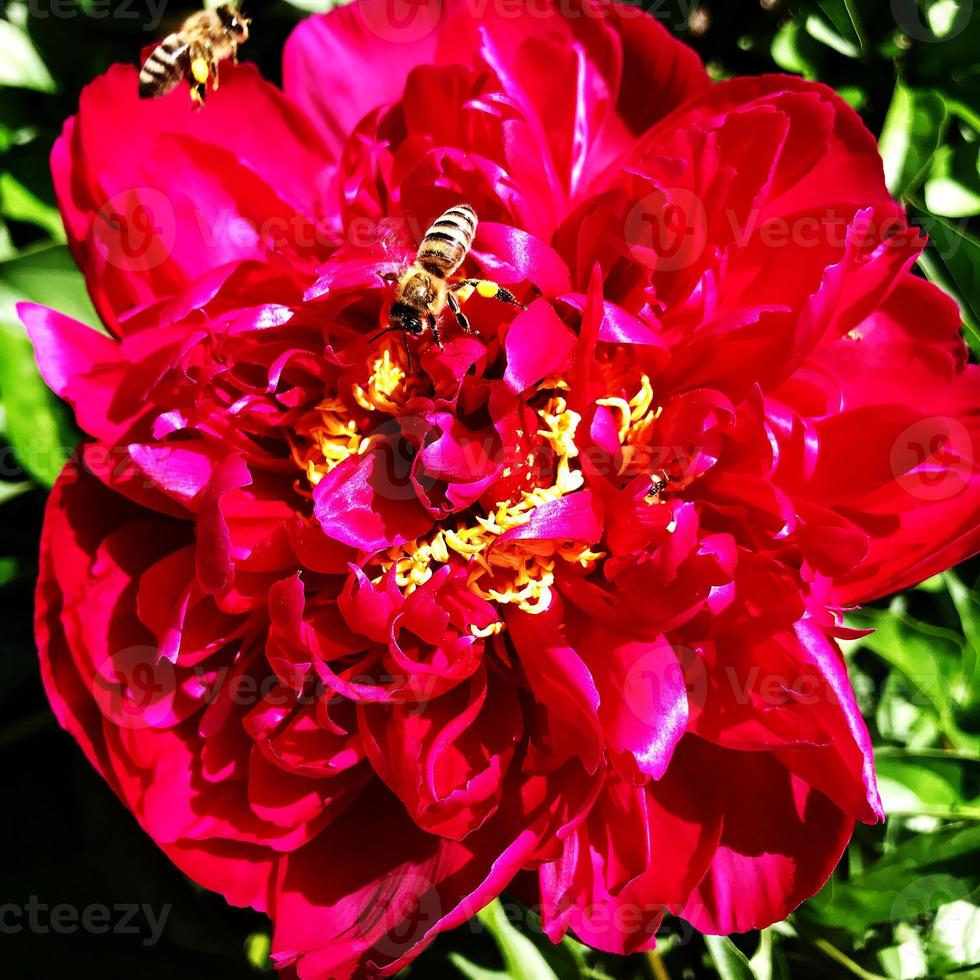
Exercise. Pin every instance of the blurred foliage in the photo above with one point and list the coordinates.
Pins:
(905, 902)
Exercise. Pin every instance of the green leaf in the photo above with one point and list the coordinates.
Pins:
(953, 187)
(914, 785)
(521, 957)
(844, 18)
(793, 50)
(7, 249)
(901, 715)
(944, 16)
(967, 608)
(730, 962)
(8, 570)
(8, 491)
(20, 64)
(932, 850)
(20, 204)
(952, 261)
(474, 972)
(257, 947)
(953, 941)
(928, 657)
(913, 879)
(45, 275)
(914, 129)
(934, 584)
(906, 960)
(38, 425)
(820, 30)
(761, 961)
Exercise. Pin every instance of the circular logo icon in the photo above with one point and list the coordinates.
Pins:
(922, 896)
(406, 907)
(657, 675)
(945, 21)
(933, 458)
(136, 230)
(667, 230)
(135, 688)
(402, 21)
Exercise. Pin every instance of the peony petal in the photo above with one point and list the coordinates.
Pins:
(537, 344)
(367, 504)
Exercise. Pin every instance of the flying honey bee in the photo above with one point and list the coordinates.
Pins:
(423, 290)
(204, 39)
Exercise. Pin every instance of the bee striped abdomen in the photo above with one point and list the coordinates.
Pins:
(448, 240)
(164, 68)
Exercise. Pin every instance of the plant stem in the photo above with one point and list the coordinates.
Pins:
(845, 961)
(657, 966)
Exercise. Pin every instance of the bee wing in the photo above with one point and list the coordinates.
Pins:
(166, 66)
(396, 240)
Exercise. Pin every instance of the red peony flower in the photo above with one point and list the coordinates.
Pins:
(362, 642)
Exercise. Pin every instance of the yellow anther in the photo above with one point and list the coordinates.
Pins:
(640, 403)
(625, 414)
(516, 572)
(319, 448)
(637, 418)
(561, 424)
(635, 412)
(492, 630)
(387, 387)
(328, 443)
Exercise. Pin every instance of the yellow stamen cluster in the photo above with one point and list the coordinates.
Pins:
(329, 443)
(335, 436)
(517, 572)
(636, 424)
(388, 388)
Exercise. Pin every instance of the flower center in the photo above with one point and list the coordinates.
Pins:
(333, 436)
(510, 572)
(326, 443)
(506, 572)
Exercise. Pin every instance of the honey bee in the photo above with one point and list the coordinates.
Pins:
(193, 52)
(424, 290)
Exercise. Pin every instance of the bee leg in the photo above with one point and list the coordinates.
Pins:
(461, 317)
(214, 76)
(381, 333)
(486, 288)
(409, 363)
(198, 95)
(434, 327)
